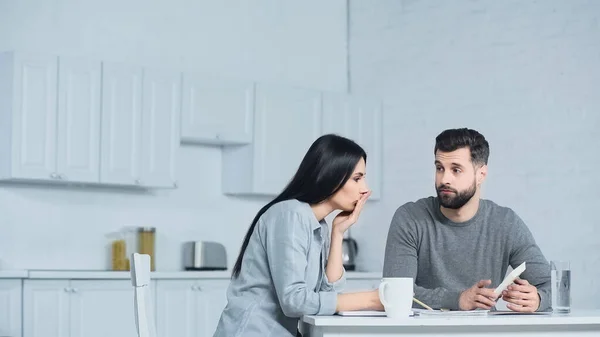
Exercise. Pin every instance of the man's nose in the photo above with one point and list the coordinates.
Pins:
(447, 178)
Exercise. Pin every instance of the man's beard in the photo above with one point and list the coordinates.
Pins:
(458, 199)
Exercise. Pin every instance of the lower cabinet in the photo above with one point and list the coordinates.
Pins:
(10, 308)
(78, 308)
(104, 307)
(189, 308)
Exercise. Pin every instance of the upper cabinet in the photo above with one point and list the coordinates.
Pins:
(140, 126)
(50, 110)
(161, 108)
(28, 101)
(286, 122)
(216, 111)
(75, 120)
(359, 119)
(121, 124)
(78, 123)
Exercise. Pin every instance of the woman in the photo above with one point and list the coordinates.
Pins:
(288, 265)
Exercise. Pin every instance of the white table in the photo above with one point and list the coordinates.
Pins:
(578, 323)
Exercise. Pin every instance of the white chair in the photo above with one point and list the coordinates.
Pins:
(140, 279)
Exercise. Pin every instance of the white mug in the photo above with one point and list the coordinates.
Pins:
(396, 294)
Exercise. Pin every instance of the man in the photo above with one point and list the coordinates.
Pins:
(457, 246)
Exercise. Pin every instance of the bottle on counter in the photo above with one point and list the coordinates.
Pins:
(119, 260)
(146, 242)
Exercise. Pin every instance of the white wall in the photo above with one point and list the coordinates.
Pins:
(524, 73)
(294, 43)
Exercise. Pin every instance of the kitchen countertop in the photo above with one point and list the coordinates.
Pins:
(13, 274)
(124, 275)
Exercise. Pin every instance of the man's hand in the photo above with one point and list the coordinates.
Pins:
(478, 296)
(521, 296)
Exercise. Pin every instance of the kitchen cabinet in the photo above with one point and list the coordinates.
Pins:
(216, 111)
(359, 119)
(10, 307)
(287, 120)
(80, 304)
(78, 123)
(161, 112)
(189, 308)
(140, 126)
(49, 117)
(76, 120)
(121, 124)
(78, 308)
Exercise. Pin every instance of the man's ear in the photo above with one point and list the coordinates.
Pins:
(481, 174)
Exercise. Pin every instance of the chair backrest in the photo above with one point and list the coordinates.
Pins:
(140, 279)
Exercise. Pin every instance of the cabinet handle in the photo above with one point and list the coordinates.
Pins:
(198, 288)
(138, 182)
(62, 177)
(67, 290)
(53, 175)
(74, 290)
(174, 184)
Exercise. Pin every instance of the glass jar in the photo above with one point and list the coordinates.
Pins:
(146, 241)
(118, 251)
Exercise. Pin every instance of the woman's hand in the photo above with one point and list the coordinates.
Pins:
(344, 220)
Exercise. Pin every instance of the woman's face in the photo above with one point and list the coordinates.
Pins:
(347, 197)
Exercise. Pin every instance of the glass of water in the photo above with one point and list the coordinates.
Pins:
(561, 286)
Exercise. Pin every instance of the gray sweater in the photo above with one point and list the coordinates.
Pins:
(445, 258)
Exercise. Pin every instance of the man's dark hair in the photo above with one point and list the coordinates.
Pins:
(454, 139)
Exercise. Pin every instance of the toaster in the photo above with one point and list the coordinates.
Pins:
(204, 255)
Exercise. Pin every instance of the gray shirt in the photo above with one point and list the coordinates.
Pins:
(282, 276)
(445, 258)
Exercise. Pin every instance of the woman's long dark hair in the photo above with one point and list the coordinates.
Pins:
(327, 165)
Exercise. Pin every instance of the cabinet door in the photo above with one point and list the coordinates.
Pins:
(288, 121)
(46, 308)
(34, 115)
(102, 308)
(190, 308)
(160, 127)
(176, 308)
(10, 308)
(360, 120)
(211, 299)
(216, 110)
(78, 150)
(121, 124)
